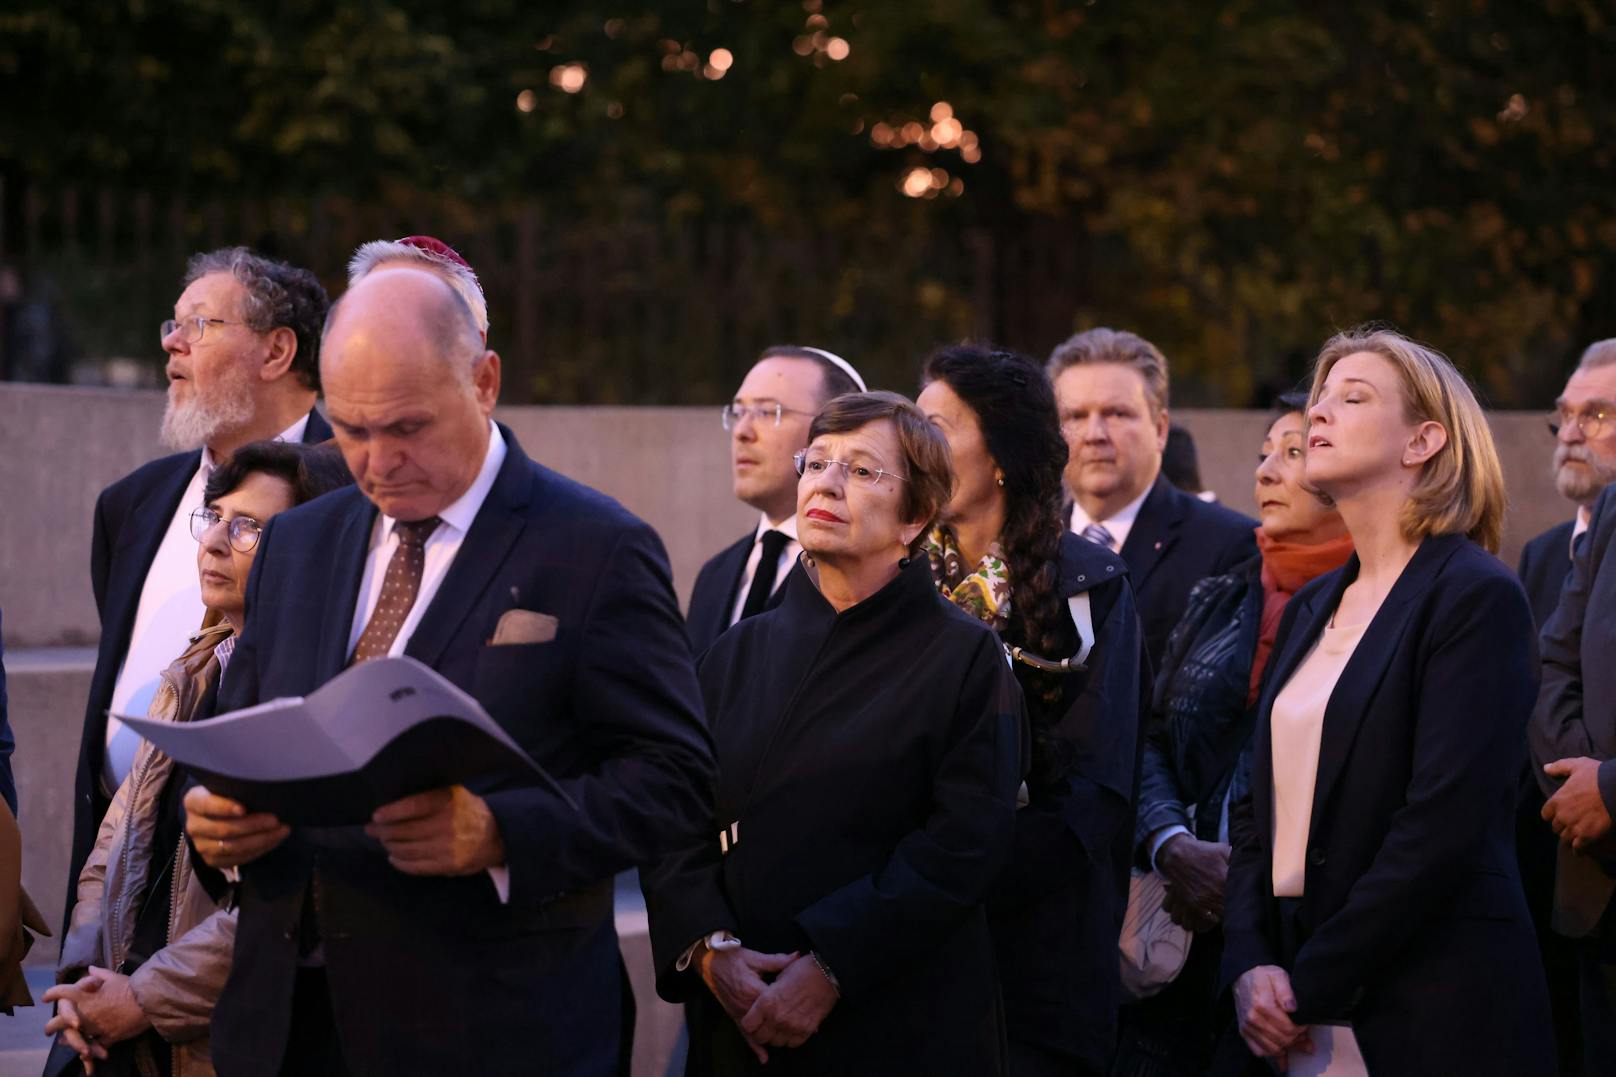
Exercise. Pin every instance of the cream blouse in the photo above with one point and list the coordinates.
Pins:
(1295, 727)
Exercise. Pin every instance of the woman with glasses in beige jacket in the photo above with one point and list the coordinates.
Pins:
(148, 949)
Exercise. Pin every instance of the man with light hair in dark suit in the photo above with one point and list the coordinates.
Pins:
(472, 925)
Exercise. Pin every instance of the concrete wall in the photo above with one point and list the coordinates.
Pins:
(59, 447)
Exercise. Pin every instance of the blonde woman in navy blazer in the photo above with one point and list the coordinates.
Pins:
(1386, 897)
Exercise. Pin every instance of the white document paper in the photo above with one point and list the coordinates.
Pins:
(1335, 1054)
(379, 731)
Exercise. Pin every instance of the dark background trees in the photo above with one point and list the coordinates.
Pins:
(654, 190)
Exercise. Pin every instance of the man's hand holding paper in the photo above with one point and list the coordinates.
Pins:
(440, 832)
(225, 833)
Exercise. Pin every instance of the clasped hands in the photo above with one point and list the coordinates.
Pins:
(1264, 1002)
(1577, 811)
(448, 831)
(97, 1010)
(783, 1012)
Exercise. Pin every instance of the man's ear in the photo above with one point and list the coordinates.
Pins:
(278, 360)
(1163, 424)
(485, 377)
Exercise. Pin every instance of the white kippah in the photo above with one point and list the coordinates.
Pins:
(841, 364)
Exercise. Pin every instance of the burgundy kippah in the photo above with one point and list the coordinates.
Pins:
(437, 247)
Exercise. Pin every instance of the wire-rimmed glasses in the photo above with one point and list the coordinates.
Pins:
(243, 530)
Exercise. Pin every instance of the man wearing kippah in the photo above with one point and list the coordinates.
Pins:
(767, 423)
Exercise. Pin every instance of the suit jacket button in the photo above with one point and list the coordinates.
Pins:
(1315, 856)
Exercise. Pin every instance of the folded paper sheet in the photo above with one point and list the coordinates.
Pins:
(377, 732)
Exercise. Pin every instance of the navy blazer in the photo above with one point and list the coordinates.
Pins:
(131, 517)
(713, 597)
(609, 707)
(1576, 711)
(1545, 564)
(1412, 924)
(1176, 541)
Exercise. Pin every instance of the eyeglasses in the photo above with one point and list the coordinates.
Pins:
(861, 474)
(1591, 423)
(243, 530)
(192, 328)
(733, 413)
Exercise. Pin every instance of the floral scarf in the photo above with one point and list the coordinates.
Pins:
(983, 592)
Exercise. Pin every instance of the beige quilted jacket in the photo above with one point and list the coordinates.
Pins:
(179, 984)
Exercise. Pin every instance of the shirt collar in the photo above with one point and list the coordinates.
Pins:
(293, 433)
(787, 527)
(1123, 517)
(1579, 525)
(225, 649)
(463, 511)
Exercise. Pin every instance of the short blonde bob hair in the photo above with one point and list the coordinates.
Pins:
(1461, 488)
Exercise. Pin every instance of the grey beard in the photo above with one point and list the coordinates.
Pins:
(195, 423)
(1583, 487)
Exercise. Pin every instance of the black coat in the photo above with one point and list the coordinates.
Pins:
(1057, 910)
(1201, 725)
(430, 974)
(718, 585)
(1412, 924)
(868, 762)
(8, 744)
(1545, 564)
(131, 517)
(1576, 710)
(1176, 541)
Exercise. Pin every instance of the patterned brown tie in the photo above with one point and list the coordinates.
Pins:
(399, 588)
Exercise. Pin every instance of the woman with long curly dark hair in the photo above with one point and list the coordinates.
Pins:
(1065, 611)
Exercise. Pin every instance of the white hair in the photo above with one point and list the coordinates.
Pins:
(462, 279)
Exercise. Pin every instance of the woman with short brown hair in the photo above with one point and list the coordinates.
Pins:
(868, 741)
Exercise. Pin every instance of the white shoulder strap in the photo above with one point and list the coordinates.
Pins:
(1083, 621)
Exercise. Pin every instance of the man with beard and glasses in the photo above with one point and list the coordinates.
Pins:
(243, 365)
(1583, 424)
(1584, 427)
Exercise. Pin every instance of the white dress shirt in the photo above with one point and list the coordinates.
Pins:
(169, 613)
(439, 553)
(788, 557)
(1118, 523)
(1579, 527)
(1296, 728)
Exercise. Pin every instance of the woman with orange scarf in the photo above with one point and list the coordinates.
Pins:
(1196, 754)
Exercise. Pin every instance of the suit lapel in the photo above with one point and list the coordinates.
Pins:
(733, 567)
(352, 546)
(151, 516)
(317, 430)
(494, 530)
(1364, 671)
(1154, 531)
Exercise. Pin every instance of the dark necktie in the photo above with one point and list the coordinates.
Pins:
(399, 588)
(768, 568)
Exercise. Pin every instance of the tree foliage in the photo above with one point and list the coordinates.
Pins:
(1234, 180)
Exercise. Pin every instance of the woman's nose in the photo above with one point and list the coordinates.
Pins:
(216, 539)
